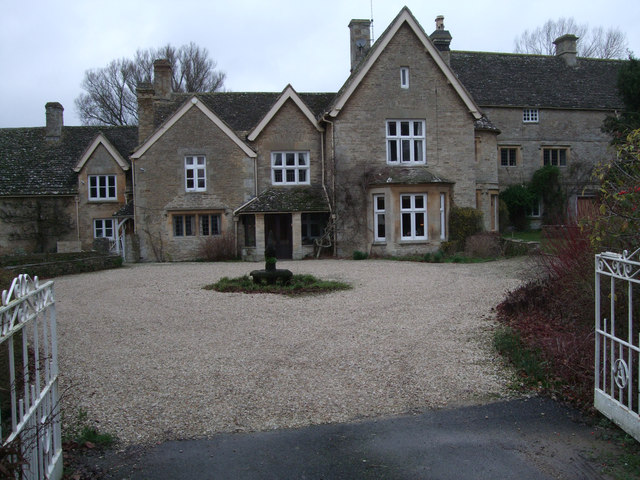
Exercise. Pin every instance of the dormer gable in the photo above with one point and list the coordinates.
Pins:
(287, 94)
(404, 17)
(192, 102)
(101, 140)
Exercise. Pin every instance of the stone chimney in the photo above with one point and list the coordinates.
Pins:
(567, 48)
(162, 79)
(360, 40)
(53, 127)
(441, 38)
(145, 94)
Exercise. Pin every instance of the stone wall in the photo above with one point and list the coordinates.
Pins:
(575, 129)
(36, 224)
(360, 135)
(160, 185)
(100, 163)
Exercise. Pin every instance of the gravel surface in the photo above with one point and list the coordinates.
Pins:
(151, 356)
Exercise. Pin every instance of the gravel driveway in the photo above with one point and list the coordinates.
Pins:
(150, 355)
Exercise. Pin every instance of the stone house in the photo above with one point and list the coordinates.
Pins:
(415, 129)
(61, 186)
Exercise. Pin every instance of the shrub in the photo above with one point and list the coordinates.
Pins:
(358, 255)
(618, 225)
(503, 214)
(55, 264)
(448, 248)
(463, 222)
(545, 184)
(217, 248)
(554, 315)
(518, 199)
(483, 245)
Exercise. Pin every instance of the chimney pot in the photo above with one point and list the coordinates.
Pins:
(360, 40)
(54, 122)
(441, 39)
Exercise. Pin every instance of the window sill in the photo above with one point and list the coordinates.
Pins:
(105, 200)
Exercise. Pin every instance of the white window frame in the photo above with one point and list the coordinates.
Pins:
(412, 213)
(100, 228)
(530, 115)
(555, 152)
(103, 187)
(443, 217)
(195, 172)
(379, 213)
(508, 148)
(534, 211)
(402, 149)
(404, 77)
(290, 168)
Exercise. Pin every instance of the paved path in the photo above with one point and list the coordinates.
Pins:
(519, 439)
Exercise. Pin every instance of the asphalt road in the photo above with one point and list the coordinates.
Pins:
(523, 439)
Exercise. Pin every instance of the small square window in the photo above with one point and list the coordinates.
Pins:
(530, 115)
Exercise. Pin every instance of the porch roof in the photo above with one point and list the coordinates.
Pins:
(404, 176)
(287, 199)
(125, 211)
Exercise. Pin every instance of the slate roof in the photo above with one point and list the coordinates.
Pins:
(505, 79)
(288, 199)
(32, 165)
(242, 111)
(404, 176)
(125, 211)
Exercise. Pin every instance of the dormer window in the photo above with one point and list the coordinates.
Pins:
(290, 168)
(404, 77)
(530, 115)
(102, 187)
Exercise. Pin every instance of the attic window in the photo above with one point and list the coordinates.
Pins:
(102, 187)
(530, 115)
(404, 77)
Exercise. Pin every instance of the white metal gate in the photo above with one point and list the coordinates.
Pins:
(617, 375)
(29, 386)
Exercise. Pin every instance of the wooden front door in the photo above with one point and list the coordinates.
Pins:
(277, 227)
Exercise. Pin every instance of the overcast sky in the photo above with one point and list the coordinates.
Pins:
(46, 46)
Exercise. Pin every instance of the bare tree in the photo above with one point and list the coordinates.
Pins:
(110, 92)
(593, 43)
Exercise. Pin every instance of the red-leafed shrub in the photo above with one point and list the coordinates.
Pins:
(554, 315)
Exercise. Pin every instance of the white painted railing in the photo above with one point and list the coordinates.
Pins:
(617, 374)
(29, 345)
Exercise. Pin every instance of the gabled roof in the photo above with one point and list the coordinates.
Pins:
(32, 165)
(193, 102)
(404, 17)
(287, 94)
(505, 79)
(102, 140)
(287, 199)
(242, 111)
